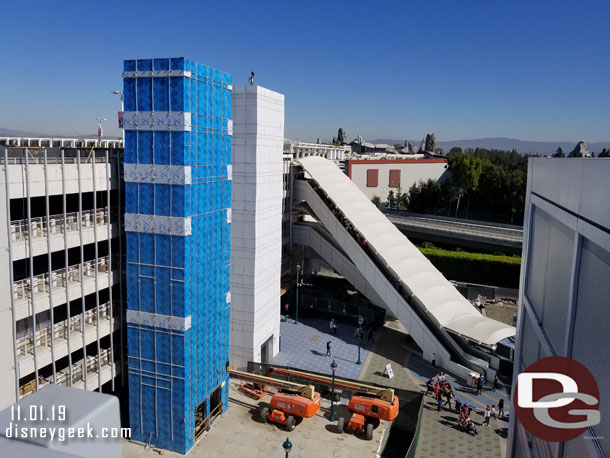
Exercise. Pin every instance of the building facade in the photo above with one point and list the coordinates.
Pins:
(60, 274)
(256, 228)
(178, 131)
(377, 177)
(565, 288)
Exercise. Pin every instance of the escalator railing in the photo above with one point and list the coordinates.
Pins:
(453, 348)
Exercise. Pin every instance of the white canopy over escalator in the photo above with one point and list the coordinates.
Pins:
(439, 297)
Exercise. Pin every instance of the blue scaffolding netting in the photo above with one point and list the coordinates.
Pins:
(177, 171)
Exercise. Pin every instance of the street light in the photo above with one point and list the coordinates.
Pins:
(122, 110)
(287, 446)
(360, 321)
(333, 366)
(296, 316)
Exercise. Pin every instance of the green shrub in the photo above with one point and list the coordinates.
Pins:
(482, 268)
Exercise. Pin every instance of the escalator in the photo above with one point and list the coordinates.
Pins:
(428, 305)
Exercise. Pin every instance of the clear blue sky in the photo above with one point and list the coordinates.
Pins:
(529, 69)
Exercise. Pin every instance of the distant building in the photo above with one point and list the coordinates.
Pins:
(377, 177)
(361, 147)
(565, 288)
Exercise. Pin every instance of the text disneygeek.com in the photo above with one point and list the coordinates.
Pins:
(61, 434)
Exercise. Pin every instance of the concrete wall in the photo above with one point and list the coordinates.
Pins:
(18, 183)
(256, 227)
(8, 392)
(412, 172)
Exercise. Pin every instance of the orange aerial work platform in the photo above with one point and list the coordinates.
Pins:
(294, 402)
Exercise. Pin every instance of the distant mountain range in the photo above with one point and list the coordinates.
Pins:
(522, 146)
(503, 143)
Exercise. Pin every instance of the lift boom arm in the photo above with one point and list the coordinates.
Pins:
(307, 391)
(383, 393)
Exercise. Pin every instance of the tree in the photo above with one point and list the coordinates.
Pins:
(559, 153)
(425, 196)
(376, 200)
(404, 201)
(391, 199)
(398, 197)
(456, 150)
(605, 153)
(465, 172)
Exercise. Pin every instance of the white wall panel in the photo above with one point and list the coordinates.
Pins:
(256, 233)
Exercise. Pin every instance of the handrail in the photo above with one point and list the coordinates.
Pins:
(21, 229)
(61, 330)
(23, 288)
(63, 376)
(54, 160)
(205, 423)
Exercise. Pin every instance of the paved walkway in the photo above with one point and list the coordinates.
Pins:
(439, 435)
(303, 345)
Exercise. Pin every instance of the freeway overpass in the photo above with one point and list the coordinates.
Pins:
(472, 234)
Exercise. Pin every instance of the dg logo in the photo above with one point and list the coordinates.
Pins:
(557, 399)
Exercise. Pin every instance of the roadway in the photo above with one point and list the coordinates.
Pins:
(448, 230)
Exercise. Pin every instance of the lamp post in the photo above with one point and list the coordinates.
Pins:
(296, 315)
(360, 321)
(287, 446)
(122, 110)
(333, 366)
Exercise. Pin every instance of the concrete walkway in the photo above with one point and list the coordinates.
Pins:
(439, 435)
(303, 345)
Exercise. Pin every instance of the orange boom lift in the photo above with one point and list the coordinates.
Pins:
(293, 401)
(369, 402)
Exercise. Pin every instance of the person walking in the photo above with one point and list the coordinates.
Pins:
(371, 334)
(480, 384)
(487, 415)
(493, 411)
(336, 326)
(466, 410)
(332, 326)
(442, 377)
(496, 383)
(501, 409)
(328, 349)
(430, 387)
(462, 419)
(439, 399)
(470, 426)
(448, 397)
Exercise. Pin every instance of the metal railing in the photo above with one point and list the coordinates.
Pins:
(61, 330)
(20, 230)
(55, 160)
(59, 278)
(52, 142)
(90, 365)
